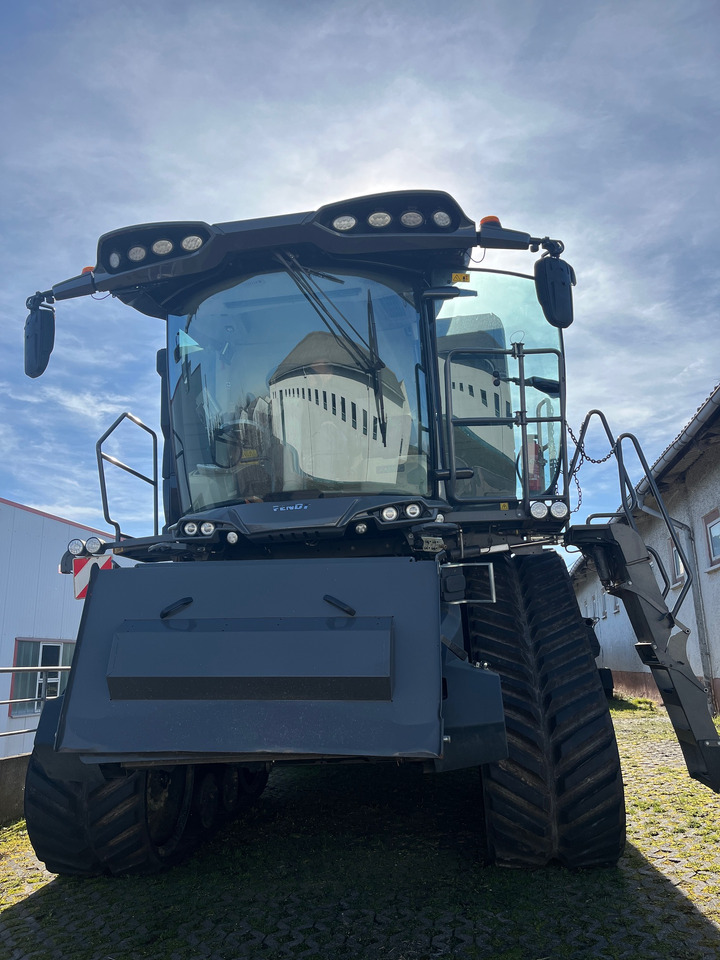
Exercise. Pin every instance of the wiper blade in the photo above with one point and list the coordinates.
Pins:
(329, 313)
(378, 365)
(327, 310)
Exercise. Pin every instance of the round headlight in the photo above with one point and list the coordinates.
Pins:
(192, 243)
(440, 518)
(162, 247)
(360, 528)
(94, 545)
(379, 219)
(413, 510)
(442, 219)
(136, 254)
(411, 218)
(389, 513)
(114, 260)
(76, 547)
(344, 223)
(190, 529)
(207, 529)
(559, 510)
(539, 510)
(232, 537)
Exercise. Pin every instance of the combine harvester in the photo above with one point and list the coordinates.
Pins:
(364, 475)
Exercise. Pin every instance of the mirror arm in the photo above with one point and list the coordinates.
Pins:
(552, 248)
(38, 299)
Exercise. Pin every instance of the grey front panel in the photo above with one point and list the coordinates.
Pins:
(292, 658)
(259, 662)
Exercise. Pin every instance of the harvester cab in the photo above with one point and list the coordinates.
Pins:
(364, 467)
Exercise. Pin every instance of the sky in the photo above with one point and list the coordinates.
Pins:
(597, 123)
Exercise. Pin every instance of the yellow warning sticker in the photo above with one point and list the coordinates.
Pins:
(461, 278)
(504, 506)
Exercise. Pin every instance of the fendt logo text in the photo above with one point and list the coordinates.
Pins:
(294, 506)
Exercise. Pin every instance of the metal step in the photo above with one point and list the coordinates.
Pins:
(686, 701)
(623, 565)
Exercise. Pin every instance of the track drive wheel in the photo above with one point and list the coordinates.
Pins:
(131, 824)
(559, 795)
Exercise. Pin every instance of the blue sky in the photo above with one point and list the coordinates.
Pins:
(597, 123)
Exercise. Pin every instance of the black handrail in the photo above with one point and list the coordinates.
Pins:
(102, 457)
(629, 501)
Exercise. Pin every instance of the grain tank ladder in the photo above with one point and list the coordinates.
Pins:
(623, 563)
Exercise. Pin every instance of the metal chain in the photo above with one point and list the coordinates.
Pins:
(583, 457)
(583, 454)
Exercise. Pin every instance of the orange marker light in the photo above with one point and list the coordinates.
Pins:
(88, 269)
(490, 220)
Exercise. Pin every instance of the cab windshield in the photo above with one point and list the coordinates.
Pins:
(295, 382)
(501, 375)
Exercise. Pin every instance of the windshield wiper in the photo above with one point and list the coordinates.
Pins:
(337, 323)
(326, 309)
(377, 366)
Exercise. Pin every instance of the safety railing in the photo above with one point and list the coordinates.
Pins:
(630, 504)
(103, 458)
(40, 699)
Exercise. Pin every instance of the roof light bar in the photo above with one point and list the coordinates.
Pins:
(345, 222)
(412, 218)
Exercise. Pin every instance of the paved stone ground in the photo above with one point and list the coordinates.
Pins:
(382, 863)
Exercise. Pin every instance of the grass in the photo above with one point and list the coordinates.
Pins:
(385, 863)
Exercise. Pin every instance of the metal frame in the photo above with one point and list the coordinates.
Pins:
(101, 457)
(14, 700)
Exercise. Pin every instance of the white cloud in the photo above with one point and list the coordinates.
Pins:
(594, 124)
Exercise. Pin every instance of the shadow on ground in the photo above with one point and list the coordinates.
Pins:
(360, 862)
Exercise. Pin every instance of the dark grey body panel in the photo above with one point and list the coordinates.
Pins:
(264, 658)
(473, 714)
(383, 666)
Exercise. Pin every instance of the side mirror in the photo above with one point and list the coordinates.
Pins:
(39, 336)
(554, 280)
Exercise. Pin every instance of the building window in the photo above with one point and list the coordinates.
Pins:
(462, 388)
(317, 399)
(677, 567)
(497, 404)
(334, 404)
(471, 390)
(343, 412)
(712, 535)
(33, 688)
(375, 422)
(483, 397)
(508, 409)
(324, 399)
(353, 415)
(364, 423)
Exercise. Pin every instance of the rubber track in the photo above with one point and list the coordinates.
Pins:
(56, 825)
(82, 830)
(559, 795)
(118, 831)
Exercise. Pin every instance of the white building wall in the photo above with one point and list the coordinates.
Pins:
(688, 500)
(36, 601)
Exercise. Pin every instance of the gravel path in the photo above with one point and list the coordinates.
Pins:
(385, 863)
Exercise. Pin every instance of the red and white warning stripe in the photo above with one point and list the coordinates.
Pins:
(82, 567)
